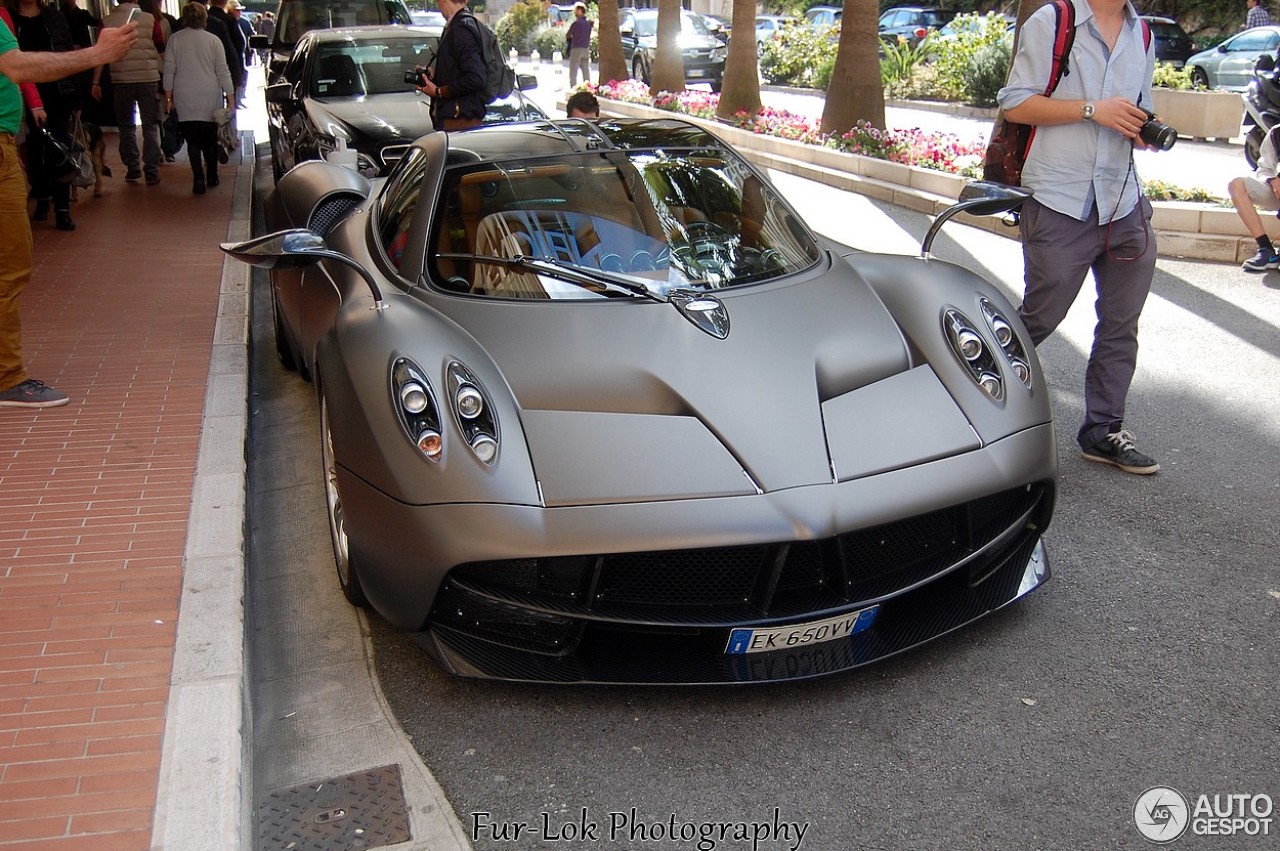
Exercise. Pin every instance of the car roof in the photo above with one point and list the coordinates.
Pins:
(369, 33)
(502, 142)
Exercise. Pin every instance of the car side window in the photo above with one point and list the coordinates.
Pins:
(297, 61)
(399, 202)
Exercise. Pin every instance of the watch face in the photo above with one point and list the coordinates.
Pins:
(1086, 111)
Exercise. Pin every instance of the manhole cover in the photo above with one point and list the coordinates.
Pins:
(361, 810)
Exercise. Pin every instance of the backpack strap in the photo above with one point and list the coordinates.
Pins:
(1146, 33)
(1064, 38)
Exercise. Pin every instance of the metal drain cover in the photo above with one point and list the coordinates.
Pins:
(361, 810)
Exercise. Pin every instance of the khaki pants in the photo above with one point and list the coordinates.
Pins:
(15, 261)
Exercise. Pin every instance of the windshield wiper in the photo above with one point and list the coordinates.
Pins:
(562, 271)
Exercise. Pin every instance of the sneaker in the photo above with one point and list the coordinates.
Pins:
(1117, 449)
(133, 174)
(1262, 261)
(153, 180)
(32, 394)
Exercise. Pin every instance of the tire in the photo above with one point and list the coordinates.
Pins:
(348, 576)
(283, 353)
(1199, 78)
(717, 84)
(638, 72)
(1253, 146)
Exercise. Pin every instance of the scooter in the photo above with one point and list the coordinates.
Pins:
(1261, 107)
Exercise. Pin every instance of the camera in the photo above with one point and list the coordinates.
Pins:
(416, 77)
(1156, 133)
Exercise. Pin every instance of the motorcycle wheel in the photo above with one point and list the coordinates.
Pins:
(1253, 146)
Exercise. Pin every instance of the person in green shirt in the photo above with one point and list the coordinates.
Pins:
(17, 389)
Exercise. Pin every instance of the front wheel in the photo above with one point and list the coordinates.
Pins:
(1253, 146)
(348, 577)
(638, 72)
(1199, 78)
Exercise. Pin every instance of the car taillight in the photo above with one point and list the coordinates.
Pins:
(921, 32)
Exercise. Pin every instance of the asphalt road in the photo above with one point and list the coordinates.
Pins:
(1150, 659)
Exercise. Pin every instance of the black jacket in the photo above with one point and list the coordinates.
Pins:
(49, 31)
(460, 70)
(233, 43)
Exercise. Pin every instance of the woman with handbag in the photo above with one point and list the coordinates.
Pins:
(197, 82)
(40, 26)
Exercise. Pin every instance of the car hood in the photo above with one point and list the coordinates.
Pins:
(633, 402)
(374, 118)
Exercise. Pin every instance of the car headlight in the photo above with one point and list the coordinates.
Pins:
(719, 54)
(472, 412)
(416, 408)
(973, 352)
(1002, 330)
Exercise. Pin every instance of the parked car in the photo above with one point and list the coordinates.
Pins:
(617, 415)
(296, 17)
(912, 23)
(769, 27)
(823, 16)
(1230, 64)
(350, 83)
(1172, 44)
(428, 18)
(560, 16)
(703, 53)
(717, 27)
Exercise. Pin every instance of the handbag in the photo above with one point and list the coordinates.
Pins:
(67, 162)
(170, 139)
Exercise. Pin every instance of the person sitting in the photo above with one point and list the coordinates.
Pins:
(582, 104)
(1260, 189)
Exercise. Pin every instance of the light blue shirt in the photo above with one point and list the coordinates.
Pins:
(1072, 166)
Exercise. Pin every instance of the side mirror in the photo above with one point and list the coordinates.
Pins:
(296, 249)
(978, 198)
(1222, 48)
(625, 32)
(525, 82)
(278, 92)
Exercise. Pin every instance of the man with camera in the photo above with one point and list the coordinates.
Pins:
(1088, 212)
(455, 82)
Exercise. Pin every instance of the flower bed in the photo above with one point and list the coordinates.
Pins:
(939, 151)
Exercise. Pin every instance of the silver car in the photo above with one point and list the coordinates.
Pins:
(597, 406)
(1230, 65)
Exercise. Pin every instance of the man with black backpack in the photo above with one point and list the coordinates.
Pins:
(1088, 212)
(457, 81)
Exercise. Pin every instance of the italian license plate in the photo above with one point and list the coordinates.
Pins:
(695, 72)
(800, 634)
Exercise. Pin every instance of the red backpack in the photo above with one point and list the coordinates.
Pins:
(1010, 141)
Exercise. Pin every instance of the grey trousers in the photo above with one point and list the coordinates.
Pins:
(1059, 251)
(147, 97)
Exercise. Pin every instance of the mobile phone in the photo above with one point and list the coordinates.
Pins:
(133, 13)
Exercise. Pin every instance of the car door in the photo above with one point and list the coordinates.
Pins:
(1236, 69)
(627, 29)
(288, 114)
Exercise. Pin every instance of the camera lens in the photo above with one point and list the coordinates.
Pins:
(1158, 134)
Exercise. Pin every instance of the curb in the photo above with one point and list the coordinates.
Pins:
(205, 764)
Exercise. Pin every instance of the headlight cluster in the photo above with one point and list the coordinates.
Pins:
(973, 352)
(472, 412)
(979, 357)
(1003, 331)
(415, 403)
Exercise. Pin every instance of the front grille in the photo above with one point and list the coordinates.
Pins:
(750, 583)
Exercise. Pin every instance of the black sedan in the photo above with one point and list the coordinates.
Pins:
(349, 85)
(597, 406)
(702, 53)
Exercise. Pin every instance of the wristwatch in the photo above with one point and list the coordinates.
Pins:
(1086, 111)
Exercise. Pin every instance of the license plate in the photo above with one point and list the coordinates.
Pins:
(695, 72)
(800, 634)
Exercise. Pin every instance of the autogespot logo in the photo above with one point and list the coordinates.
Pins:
(1161, 814)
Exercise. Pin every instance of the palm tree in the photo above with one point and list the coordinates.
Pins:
(741, 89)
(667, 74)
(613, 65)
(1025, 8)
(856, 92)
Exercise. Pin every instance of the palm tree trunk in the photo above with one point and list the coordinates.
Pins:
(856, 92)
(741, 90)
(668, 65)
(613, 66)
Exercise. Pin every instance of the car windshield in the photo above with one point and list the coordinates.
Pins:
(299, 16)
(661, 220)
(355, 68)
(647, 25)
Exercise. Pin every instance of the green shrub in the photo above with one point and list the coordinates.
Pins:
(987, 73)
(902, 59)
(793, 57)
(1169, 77)
(953, 56)
(822, 74)
(519, 25)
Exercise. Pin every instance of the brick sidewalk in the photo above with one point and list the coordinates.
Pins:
(94, 502)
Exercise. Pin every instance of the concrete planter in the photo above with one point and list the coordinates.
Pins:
(1200, 115)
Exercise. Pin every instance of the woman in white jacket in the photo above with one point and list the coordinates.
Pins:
(197, 83)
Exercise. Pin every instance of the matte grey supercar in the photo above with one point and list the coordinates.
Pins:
(598, 407)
